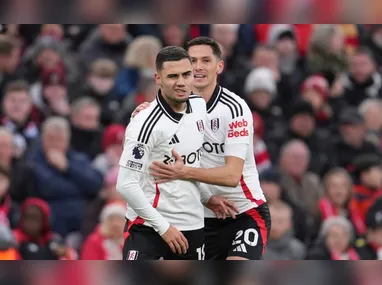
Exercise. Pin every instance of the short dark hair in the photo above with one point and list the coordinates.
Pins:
(16, 86)
(206, 41)
(363, 50)
(170, 53)
(7, 44)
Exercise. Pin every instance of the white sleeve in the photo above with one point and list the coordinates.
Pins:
(205, 193)
(128, 186)
(137, 147)
(239, 129)
(237, 150)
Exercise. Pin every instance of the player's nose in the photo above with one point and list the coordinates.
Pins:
(180, 82)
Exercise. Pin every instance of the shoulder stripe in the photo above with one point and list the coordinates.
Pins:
(152, 126)
(234, 101)
(232, 106)
(229, 106)
(149, 124)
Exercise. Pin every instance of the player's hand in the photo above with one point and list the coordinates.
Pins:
(164, 173)
(175, 240)
(141, 107)
(222, 207)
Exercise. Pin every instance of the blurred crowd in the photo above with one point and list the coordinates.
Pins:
(192, 273)
(67, 93)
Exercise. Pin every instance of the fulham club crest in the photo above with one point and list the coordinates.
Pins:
(215, 125)
(200, 126)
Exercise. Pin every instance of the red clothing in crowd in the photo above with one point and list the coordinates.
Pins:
(365, 197)
(328, 209)
(97, 247)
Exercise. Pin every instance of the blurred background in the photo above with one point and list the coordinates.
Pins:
(67, 93)
(192, 273)
(315, 91)
(191, 11)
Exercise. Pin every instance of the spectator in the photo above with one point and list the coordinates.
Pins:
(108, 194)
(8, 246)
(339, 201)
(20, 117)
(302, 186)
(47, 53)
(370, 248)
(236, 66)
(147, 91)
(139, 61)
(34, 237)
(260, 92)
(53, 98)
(335, 241)
(315, 90)
(260, 151)
(368, 177)
(302, 126)
(9, 212)
(265, 56)
(374, 43)
(282, 245)
(351, 141)
(174, 35)
(362, 81)
(106, 242)
(85, 127)
(9, 61)
(112, 144)
(371, 112)
(326, 51)
(270, 183)
(99, 86)
(283, 39)
(107, 41)
(59, 175)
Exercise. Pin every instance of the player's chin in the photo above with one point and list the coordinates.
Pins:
(182, 99)
(200, 83)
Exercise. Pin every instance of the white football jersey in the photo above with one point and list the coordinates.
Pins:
(230, 122)
(150, 136)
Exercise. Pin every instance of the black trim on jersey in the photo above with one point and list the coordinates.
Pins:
(174, 139)
(211, 104)
(235, 108)
(169, 112)
(149, 124)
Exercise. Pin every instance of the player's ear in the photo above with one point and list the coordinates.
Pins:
(157, 79)
(220, 67)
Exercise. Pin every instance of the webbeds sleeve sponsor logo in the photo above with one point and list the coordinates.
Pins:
(238, 129)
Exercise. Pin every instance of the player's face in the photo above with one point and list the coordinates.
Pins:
(175, 80)
(206, 66)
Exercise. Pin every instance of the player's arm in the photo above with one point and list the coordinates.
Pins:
(227, 175)
(238, 137)
(133, 163)
(132, 166)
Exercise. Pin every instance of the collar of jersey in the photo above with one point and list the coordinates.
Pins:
(214, 98)
(174, 116)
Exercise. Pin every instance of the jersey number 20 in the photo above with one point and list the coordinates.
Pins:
(251, 237)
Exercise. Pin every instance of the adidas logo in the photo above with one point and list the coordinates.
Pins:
(174, 140)
(241, 248)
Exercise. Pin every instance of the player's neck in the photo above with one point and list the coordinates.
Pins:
(206, 92)
(176, 106)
